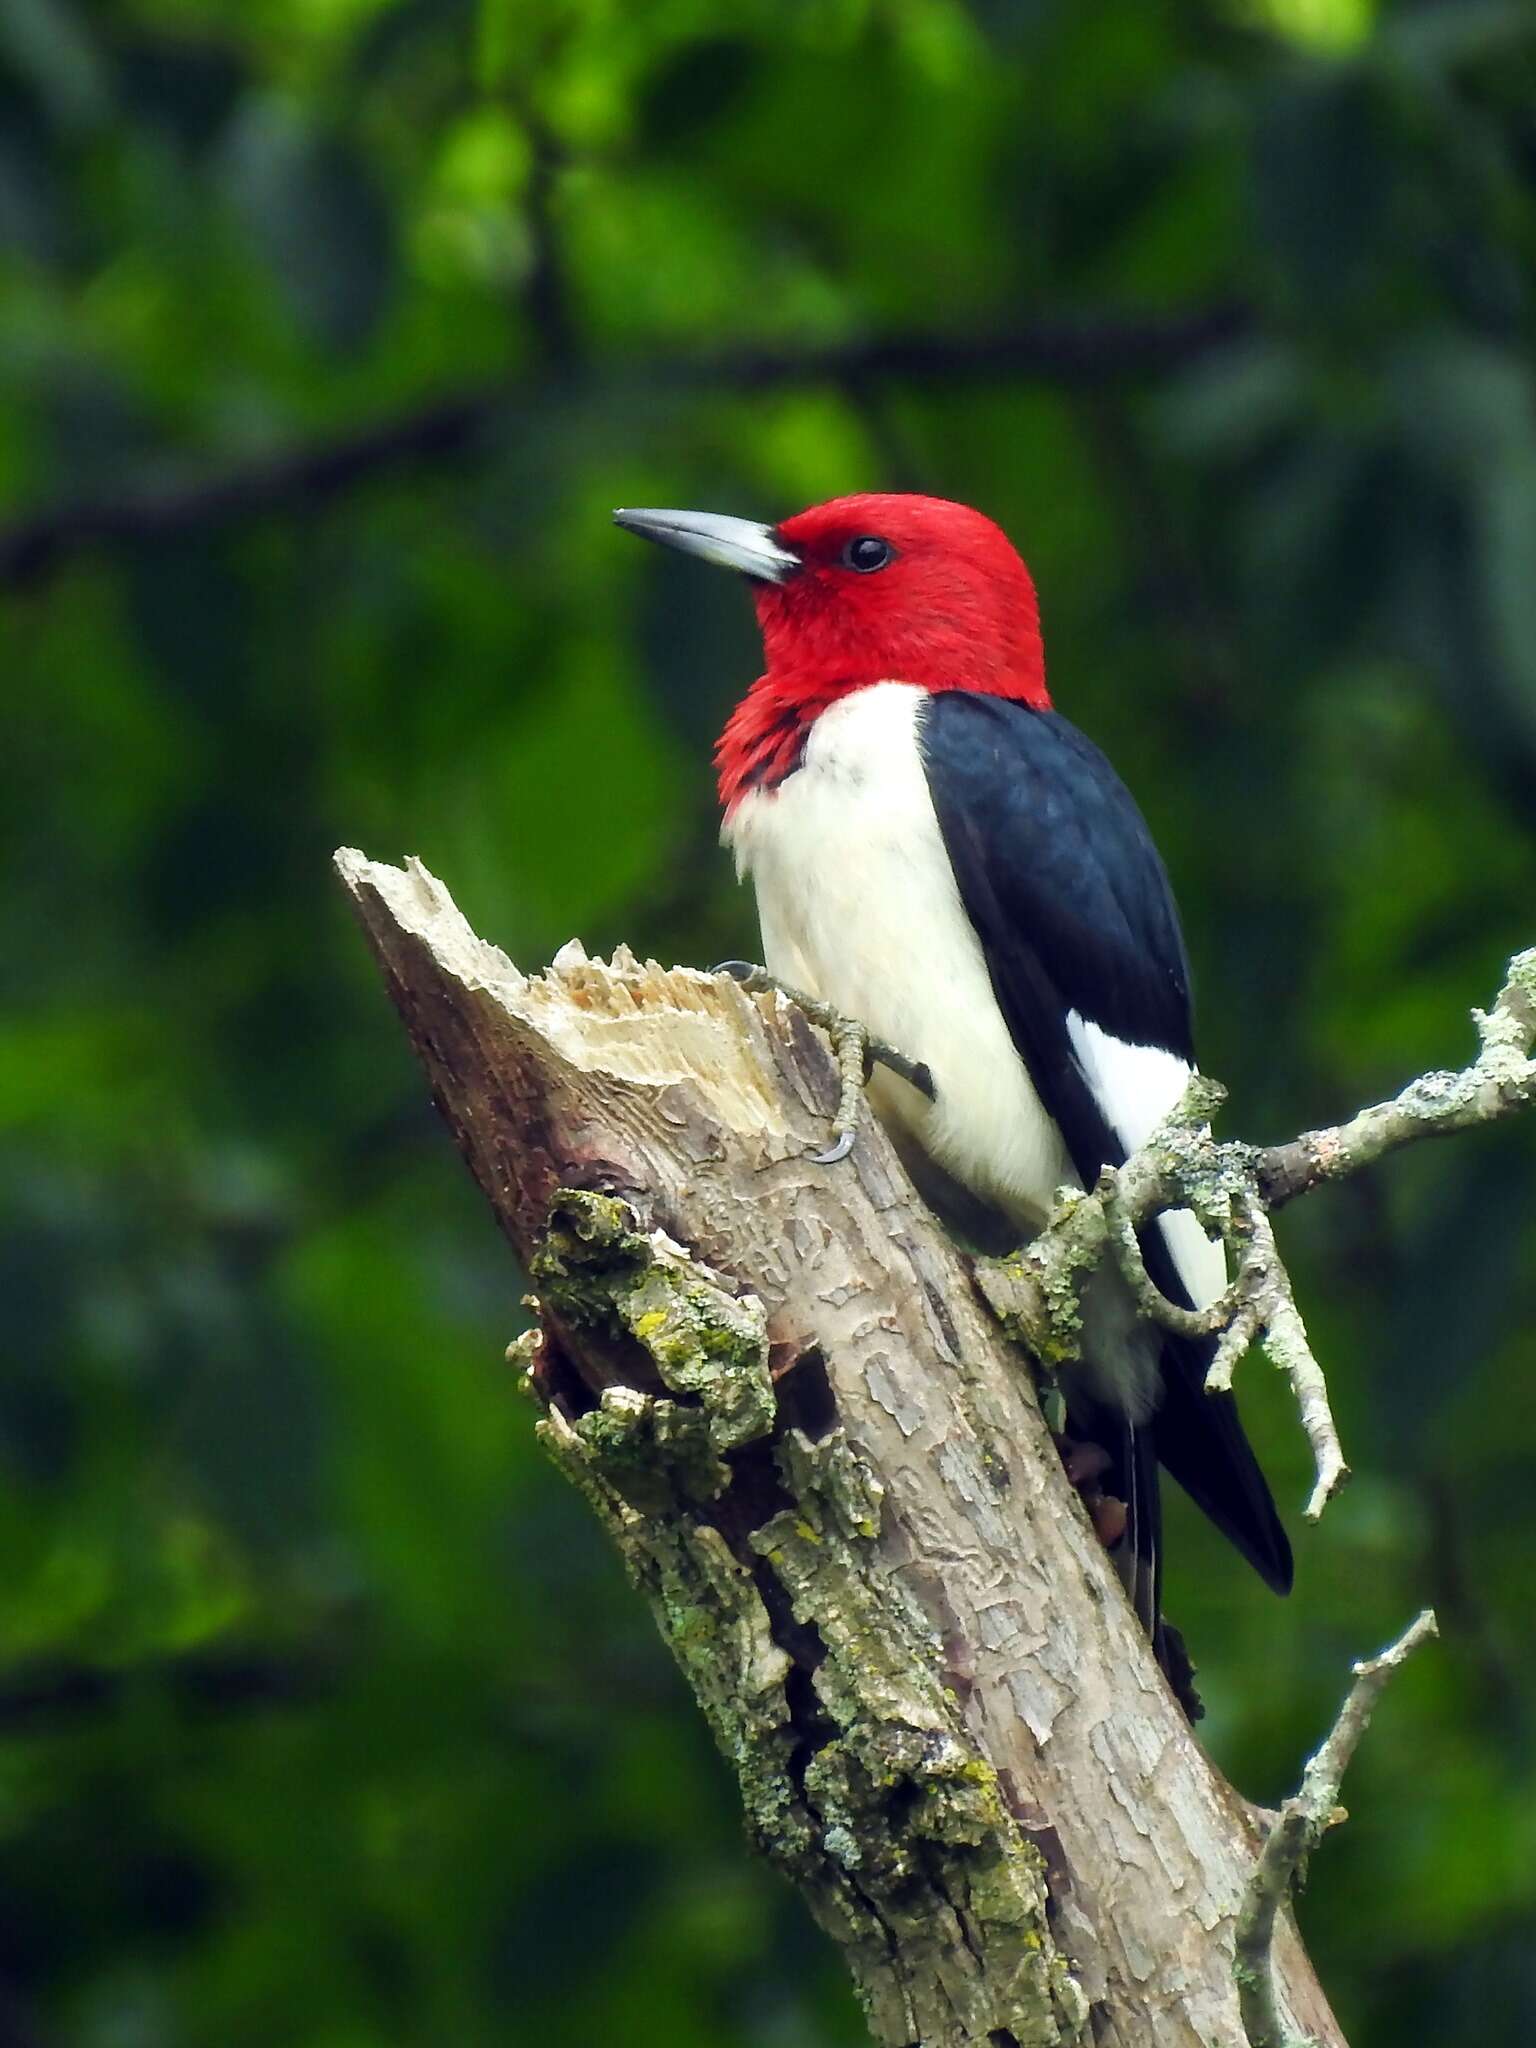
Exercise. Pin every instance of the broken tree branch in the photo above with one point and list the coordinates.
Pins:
(1232, 1189)
(1499, 1081)
(781, 1394)
(776, 1389)
(1299, 1826)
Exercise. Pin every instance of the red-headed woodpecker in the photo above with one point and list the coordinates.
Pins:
(938, 854)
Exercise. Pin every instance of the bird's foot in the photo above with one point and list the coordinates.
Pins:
(1085, 1465)
(856, 1050)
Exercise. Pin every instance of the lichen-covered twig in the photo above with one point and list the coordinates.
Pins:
(1232, 1190)
(1299, 1826)
(1499, 1081)
(1257, 1304)
(1269, 1311)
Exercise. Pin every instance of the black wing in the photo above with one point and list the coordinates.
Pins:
(1059, 876)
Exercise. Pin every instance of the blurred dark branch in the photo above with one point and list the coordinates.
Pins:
(305, 478)
(549, 1711)
(45, 1695)
(546, 294)
(1077, 352)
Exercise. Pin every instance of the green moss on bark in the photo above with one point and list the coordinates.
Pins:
(911, 1814)
(821, 1681)
(706, 1343)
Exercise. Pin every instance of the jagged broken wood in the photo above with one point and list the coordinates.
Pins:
(856, 1050)
(782, 1394)
(1298, 1828)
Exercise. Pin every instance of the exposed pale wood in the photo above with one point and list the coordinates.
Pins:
(697, 1104)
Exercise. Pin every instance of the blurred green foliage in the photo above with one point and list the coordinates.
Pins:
(329, 332)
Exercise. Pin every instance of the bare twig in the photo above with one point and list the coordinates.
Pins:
(1299, 1827)
(31, 548)
(1499, 1081)
(1275, 1318)
(1087, 351)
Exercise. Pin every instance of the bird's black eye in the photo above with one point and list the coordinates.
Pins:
(867, 554)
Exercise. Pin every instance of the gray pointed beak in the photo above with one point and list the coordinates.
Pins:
(739, 544)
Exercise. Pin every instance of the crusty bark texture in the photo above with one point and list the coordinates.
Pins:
(779, 1389)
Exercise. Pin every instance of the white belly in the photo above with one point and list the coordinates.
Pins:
(858, 905)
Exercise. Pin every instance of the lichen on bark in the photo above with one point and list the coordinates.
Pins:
(708, 1345)
(755, 1543)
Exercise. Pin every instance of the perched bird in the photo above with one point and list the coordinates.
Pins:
(939, 855)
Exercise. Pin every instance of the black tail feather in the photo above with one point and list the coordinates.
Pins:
(1199, 1437)
(1144, 1525)
(1133, 1478)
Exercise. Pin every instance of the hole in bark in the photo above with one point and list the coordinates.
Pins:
(755, 1495)
(813, 1726)
(901, 1799)
(941, 1315)
(579, 1374)
(598, 1176)
(806, 1401)
(800, 1639)
(556, 1379)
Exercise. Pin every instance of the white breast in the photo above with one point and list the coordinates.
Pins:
(858, 905)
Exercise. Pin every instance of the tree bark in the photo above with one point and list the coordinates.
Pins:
(781, 1391)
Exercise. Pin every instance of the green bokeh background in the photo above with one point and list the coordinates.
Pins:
(325, 1718)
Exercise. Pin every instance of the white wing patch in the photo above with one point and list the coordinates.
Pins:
(1135, 1086)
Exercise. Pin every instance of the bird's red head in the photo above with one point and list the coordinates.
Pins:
(877, 587)
(894, 588)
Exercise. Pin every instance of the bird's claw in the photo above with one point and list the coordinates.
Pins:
(1085, 1465)
(855, 1051)
(836, 1152)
